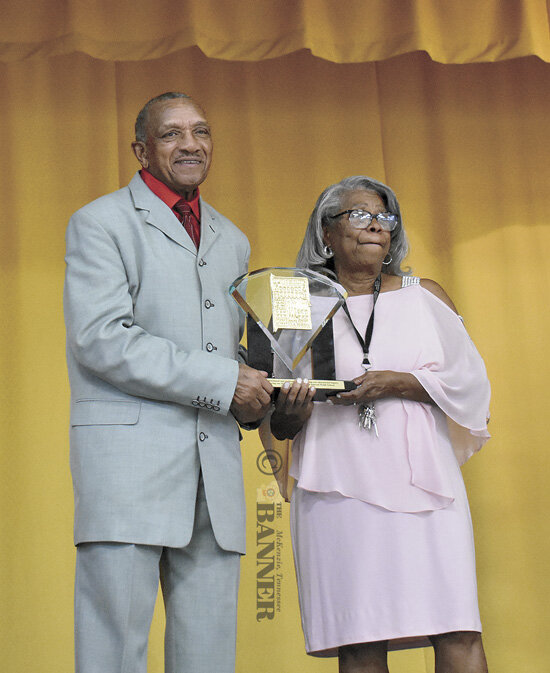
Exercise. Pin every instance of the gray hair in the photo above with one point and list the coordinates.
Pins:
(143, 116)
(312, 254)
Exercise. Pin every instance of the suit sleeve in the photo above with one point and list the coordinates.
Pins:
(104, 339)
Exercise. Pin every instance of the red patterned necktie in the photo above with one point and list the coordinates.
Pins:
(189, 221)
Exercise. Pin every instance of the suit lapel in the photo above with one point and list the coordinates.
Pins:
(159, 215)
(210, 228)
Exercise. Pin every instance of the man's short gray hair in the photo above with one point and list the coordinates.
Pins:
(312, 254)
(143, 116)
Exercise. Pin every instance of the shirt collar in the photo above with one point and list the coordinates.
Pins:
(167, 195)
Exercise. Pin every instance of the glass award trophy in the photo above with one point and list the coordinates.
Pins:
(289, 328)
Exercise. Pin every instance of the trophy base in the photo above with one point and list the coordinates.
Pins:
(323, 388)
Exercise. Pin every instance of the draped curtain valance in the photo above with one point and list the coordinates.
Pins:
(349, 31)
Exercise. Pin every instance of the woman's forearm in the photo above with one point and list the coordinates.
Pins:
(406, 386)
(378, 385)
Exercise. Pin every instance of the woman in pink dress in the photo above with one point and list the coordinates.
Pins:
(381, 528)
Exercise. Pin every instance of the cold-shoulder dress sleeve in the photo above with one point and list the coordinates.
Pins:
(453, 373)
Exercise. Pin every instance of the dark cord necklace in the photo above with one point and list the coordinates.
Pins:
(365, 343)
(367, 413)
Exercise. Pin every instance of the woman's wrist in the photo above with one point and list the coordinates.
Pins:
(407, 387)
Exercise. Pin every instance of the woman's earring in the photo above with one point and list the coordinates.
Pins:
(328, 251)
(390, 260)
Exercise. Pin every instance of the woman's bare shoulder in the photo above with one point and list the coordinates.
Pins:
(438, 291)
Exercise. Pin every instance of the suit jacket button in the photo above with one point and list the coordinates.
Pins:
(210, 347)
(202, 262)
(208, 303)
(203, 436)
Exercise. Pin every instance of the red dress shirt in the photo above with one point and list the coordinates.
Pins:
(172, 198)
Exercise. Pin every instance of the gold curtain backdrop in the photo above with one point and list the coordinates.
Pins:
(249, 30)
(465, 145)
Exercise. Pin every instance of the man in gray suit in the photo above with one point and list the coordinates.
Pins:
(157, 389)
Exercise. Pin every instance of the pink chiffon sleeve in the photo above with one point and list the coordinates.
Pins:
(452, 372)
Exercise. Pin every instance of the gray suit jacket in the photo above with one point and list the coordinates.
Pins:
(152, 344)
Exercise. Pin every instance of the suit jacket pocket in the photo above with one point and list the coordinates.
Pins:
(105, 412)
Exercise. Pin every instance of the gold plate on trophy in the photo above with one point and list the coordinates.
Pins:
(314, 383)
(291, 303)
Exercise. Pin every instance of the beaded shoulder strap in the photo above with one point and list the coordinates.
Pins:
(410, 280)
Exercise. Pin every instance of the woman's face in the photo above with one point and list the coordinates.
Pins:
(356, 249)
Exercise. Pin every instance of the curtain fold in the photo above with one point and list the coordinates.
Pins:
(344, 32)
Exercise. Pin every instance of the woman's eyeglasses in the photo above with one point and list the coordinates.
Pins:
(361, 219)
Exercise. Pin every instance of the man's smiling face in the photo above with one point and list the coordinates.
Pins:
(178, 147)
